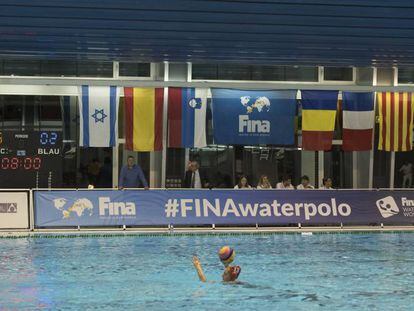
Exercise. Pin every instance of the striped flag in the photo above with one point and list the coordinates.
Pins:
(318, 119)
(187, 117)
(98, 108)
(358, 121)
(143, 118)
(396, 121)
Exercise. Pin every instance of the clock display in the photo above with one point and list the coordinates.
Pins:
(30, 159)
(27, 163)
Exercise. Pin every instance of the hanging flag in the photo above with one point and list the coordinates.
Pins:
(187, 109)
(98, 108)
(143, 118)
(243, 117)
(358, 121)
(318, 119)
(396, 121)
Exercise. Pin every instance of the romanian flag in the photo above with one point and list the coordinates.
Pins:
(396, 121)
(143, 118)
(187, 109)
(318, 119)
(358, 121)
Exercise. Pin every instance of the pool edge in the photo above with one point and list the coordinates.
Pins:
(99, 232)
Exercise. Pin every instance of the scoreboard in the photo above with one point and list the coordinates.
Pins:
(30, 159)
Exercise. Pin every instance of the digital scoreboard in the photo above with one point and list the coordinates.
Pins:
(30, 159)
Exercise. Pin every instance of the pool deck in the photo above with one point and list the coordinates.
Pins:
(200, 231)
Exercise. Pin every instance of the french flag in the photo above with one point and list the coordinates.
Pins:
(187, 109)
(358, 121)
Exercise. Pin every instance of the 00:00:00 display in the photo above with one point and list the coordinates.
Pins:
(16, 163)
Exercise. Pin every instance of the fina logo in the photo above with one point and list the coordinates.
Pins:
(83, 206)
(387, 207)
(108, 208)
(195, 103)
(261, 104)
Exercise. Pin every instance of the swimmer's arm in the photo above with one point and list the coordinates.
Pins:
(199, 269)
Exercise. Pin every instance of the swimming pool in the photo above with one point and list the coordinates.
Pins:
(279, 272)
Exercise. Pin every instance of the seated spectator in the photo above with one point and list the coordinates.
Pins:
(264, 183)
(243, 184)
(326, 184)
(286, 183)
(305, 184)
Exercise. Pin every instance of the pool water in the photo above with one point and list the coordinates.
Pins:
(279, 272)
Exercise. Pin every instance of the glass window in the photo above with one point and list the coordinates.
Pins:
(134, 69)
(217, 164)
(284, 73)
(204, 72)
(338, 74)
(272, 162)
(385, 76)
(338, 167)
(234, 72)
(362, 168)
(53, 68)
(254, 73)
(21, 67)
(13, 108)
(95, 69)
(50, 109)
(404, 168)
(406, 75)
(175, 167)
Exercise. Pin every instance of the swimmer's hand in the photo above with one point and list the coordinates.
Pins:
(199, 269)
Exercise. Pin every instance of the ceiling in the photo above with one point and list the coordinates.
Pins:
(291, 32)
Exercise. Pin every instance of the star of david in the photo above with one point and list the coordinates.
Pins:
(99, 115)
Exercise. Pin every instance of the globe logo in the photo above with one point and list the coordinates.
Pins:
(262, 104)
(78, 208)
(195, 103)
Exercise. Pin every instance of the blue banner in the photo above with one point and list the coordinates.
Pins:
(221, 207)
(253, 117)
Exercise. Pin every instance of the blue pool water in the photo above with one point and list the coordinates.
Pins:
(279, 272)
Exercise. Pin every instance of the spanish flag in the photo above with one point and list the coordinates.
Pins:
(318, 119)
(143, 118)
(395, 121)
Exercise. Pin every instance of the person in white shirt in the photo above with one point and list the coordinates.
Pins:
(407, 170)
(286, 183)
(264, 183)
(305, 184)
(243, 184)
(326, 184)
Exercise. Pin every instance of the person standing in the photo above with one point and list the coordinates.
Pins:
(194, 178)
(305, 184)
(132, 176)
(407, 171)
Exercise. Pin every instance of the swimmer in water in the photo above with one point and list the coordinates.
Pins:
(230, 274)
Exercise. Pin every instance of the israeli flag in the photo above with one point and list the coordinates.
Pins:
(98, 108)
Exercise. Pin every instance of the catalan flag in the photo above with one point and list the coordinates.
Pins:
(396, 121)
(318, 119)
(143, 118)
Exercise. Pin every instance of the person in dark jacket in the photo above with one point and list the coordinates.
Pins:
(194, 178)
